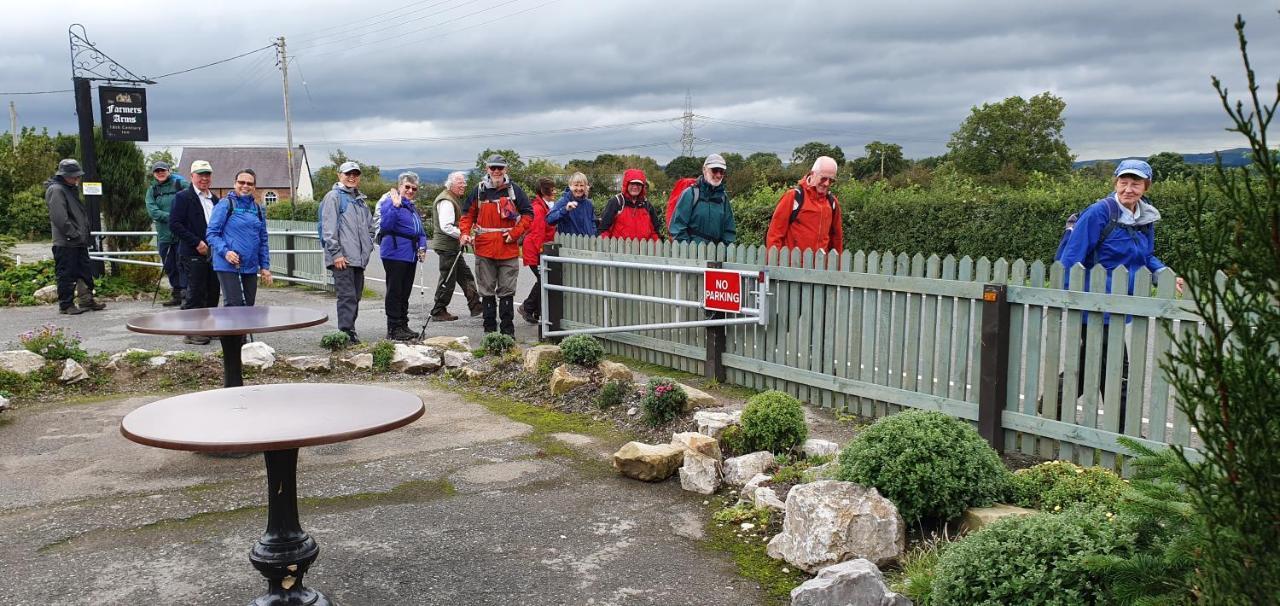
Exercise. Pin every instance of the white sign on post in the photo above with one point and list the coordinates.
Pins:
(92, 188)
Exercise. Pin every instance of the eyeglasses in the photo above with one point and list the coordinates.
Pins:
(249, 183)
(410, 187)
(497, 168)
(351, 174)
(826, 180)
(717, 171)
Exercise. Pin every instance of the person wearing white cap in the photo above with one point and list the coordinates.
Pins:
(189, 222)
(160, 194)
(347, 234)
(703, 212)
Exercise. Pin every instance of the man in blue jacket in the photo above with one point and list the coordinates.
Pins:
(189, 222)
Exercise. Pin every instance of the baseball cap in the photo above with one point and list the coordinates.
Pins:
(349, 167)
(160, 165)
(201, 167)
(714, 161)
(640, 181)
(1134, 167)
(70, 168)
(496, 160)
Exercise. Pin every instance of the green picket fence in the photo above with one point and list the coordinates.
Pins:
(305, 266)
(872, 333)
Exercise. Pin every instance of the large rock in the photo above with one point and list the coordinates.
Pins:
(700, 473)
(72, 372)
(566, 377)
(310, 363)
(47, 294)
(414, 360)
(21, 361)
(362, 361)
(714, 423)
(538, 355)
(829, 521)
(704, 445)
(257, 355)
(614, 371)
(697, 398)
(853, 583)
(975, 518)
(814, 447)
(648, 462)
(748, 489)
(455, 359)
(447, 343)
(738, 470)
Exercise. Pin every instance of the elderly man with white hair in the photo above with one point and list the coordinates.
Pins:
(808, 215)
(453, 267)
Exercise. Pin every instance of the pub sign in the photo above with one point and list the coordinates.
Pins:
(124, 113)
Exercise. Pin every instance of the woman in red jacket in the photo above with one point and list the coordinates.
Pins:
(539, 233)
(629, 215)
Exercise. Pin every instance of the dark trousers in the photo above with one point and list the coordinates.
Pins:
(1102, 378)
(349, 284)
(238, 290)
(533, 303)
(71, 265)
(202, 282)
(172, 265)
(399, 287)
(450, 276)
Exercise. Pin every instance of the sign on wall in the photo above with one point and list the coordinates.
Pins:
(124, 113)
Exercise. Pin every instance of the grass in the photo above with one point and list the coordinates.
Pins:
(749, 553)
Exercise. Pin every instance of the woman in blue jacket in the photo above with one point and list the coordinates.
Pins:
(573, 213)
(402, 244)
(238, 236)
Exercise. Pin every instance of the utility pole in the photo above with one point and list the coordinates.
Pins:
(13, 124)
(686, 137)
(288, 122)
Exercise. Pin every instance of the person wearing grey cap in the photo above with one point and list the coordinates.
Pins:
(703, 212)
(69, 221)
(347, 234)
(495, 215)
(160, 194)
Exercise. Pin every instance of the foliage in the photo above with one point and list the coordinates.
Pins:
(773, 421)
(54, 343)
(795, 471)
(300, 210)
(138, 358)
(918, 567)
(496, 343)
(25, 214)
(743, 513)
(1035, 559)
(930, 465)
(684, 166)
(583, 350)
(18, 283)
(883, 160)
(382, 352)
(612, 394)
(161, 155)
(188, 357)
(123, 173)
(1168, 165)
(335, 340)
(731, 441)
(325, 177)
(1057, 485)
(663, 401)
(804, 155)
(1019, 134)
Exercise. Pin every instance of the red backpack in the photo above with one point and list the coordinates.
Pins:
(677, 189)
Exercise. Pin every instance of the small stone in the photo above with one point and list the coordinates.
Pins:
(469, 373)
(449, 343)
(697, 398)
(699, 443)
(713, 423)
(414, 359)
(738, 470)
(46, 294)
(566, 377)
(614, 371)
(113, 362)
(814, 447)
(157, 361)
(633, 411)
(21, 361)
(855, 583)
(72, 372)
(363, 361)
(975, 518)
(538, 355)
(310, 363)
(648, 462)
(4, 405)
(257, 355)
(455, 359)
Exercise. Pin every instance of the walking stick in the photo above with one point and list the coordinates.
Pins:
(422, 334)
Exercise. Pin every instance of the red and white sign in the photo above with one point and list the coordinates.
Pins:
(722, 291)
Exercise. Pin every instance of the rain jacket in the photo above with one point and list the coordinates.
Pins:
(631, 218)
(540, 232)
(346, 233)
(1131, 245)
(160, 203)
(496, 217)
(581, 220)
(238, 223)
(707, 219)
(401, 230)
(68, 217)
(816, 225)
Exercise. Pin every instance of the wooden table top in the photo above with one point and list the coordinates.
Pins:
(223, 321)
(270, 417)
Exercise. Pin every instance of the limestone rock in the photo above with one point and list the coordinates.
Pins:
(4, 403)
(363, 361)
(738, 470)
(470, 373)
(72, 372)
(116, 359)
(257, 355)
(698, 443)
(633, 411)
(852, 583)
(414, 360)
(975, 518)
(157, 361)
(760, 496)
(697, 398)
(648, 462)
(312, 363)
(829, 521)
(454, 359)
(814, 447)
(614, 371)
(536, 356)
(47, 294)
(713, 423)
(21, 361)
(749, 489)
(447, 343)
(700, 473)
(565, 377)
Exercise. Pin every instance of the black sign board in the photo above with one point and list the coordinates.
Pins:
(124, 113)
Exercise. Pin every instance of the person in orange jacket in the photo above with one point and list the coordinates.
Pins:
(808, 215)
(498, 212)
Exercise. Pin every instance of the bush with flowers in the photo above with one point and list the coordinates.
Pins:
(54, 343)
(663, 401)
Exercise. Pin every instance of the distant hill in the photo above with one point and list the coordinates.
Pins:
(428, 175)
(1230, 157)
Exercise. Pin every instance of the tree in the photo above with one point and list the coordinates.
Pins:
(803, 156)
(515, 167)
(1015, 134)
(371, 182)
(1169, 165)
(883, 160)
(162, 155)
(684, 166)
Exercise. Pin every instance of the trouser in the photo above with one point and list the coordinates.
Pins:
(533, 303)
(349, 284)
(202, 282)
(497, 276)
(399, 287)
(172, 267)
(461, 275)
(238, 290)
(71, 265)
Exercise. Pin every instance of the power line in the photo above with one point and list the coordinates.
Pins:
(219, 62)
(358, 21)
(796, 129)
(39, 92)
(355, 31)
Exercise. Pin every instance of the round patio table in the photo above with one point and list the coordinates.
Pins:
(278, 420)
(229, 324)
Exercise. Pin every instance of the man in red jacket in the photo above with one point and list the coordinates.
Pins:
(808, 215)
(498, 212)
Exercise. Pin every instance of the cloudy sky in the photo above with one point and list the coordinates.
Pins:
(431, 83)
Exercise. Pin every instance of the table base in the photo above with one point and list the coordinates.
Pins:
(285, 551)
(232, 373)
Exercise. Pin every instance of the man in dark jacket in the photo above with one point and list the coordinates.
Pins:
(70, 224)
(189, 220)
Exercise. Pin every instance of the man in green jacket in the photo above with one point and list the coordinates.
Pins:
(453, 267)
(703, 213)
(164, 186)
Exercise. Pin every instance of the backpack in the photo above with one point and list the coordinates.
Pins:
(344, 199)
(676, 189)
(1113, 220)
(799, 202)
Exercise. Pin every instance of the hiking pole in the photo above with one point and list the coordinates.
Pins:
(155, 292)
(422, 334)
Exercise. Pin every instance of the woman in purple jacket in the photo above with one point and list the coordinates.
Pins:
(402, 244)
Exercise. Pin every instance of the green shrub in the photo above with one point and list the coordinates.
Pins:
(663, 401)
(302, 210)
(928, 464)
(335, 340)
(612, 394)
(26, 215)
(54, 343)
(732, 443)
(1057, 485)
(1035, 559)
(583, 350)
(188, 357)
(18, 283)
(496, 343)
(743, 512)
(917, 569)
(382, 352)
(138, 358)
(773, 421)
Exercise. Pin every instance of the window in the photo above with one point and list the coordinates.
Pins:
(270, 197)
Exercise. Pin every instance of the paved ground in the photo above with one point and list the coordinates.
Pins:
(456, 508)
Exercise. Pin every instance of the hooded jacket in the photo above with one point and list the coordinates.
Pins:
(68, 218)
(401, 230)
(708, 219)
(580, 220)
(160, 203)
(631, 218)
(496, 218)
(540, 232)
(238, 223)
(346, 233)
(1131, 245)
(816, 226)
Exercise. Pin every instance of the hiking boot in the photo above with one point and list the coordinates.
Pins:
(195, 340)
(92, 305)
(476, 309)
(401, 333)
(444, 316)
(175, 298)
(490, 314)
(353, 339)
(528, 316)
(72, 311)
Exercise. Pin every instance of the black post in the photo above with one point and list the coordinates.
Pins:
(993, 384)
(555, 299)
(714, 367)
(285, 551)
(289, 257)
(89, 162)
(232, 367)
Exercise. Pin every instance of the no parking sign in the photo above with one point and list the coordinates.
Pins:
(722, 291)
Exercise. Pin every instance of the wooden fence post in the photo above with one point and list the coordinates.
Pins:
(993, 384)
(555, 298)
(714, 368)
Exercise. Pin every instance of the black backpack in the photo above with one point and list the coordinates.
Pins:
(798, 203)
